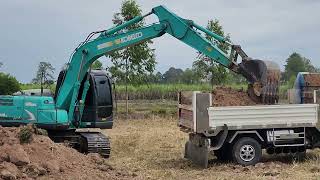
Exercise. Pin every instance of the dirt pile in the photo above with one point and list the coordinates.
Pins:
(312, 79)
(227, 96)
(44, 159)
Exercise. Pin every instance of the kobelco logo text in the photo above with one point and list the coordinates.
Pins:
(131, 37)
(120, 40)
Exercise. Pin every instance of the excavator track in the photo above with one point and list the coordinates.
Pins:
(95, 142)
(84, 142)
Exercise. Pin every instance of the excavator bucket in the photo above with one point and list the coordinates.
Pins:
(264, 78)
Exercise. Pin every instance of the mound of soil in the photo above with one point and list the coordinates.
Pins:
(227, 96)
(312, 79)
(44, 159)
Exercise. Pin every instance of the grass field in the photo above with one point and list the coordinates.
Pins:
(153, 149)
(159, 91)
(162, 91)
(141, 109)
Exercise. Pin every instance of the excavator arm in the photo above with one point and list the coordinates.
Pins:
(116, 38)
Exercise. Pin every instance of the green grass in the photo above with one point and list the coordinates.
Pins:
(36, 86)
(171, 87)
(163, 91)
(141, 109)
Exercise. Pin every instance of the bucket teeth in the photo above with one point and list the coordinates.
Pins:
(264, 78)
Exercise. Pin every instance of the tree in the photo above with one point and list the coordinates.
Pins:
(44, 75)
(295, 64)
(133, 63)
(308, 65)
(8, 84)
(136, 62)
(189, 76)
(236, 78)
(154, 78)
(97, 65)
(158, 77)
(173, 75)
(206, 67)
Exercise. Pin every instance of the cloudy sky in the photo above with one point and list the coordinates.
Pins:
(35, 30)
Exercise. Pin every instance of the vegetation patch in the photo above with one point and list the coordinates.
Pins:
(25, 134)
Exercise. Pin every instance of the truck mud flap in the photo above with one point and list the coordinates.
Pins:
(198, 155)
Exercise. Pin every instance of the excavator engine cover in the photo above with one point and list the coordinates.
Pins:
(264, 78)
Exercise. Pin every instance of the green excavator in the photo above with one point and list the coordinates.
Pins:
(83, 99)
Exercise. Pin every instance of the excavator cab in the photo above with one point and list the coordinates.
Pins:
(98, 109)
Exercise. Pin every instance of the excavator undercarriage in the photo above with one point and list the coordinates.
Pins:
(85, 141)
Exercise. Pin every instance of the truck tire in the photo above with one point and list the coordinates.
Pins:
(246, 151)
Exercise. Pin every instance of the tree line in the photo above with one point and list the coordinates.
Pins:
(8, 83)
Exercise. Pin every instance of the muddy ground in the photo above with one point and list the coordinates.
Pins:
(153, 149)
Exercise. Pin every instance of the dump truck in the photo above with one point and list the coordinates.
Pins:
(240, 133)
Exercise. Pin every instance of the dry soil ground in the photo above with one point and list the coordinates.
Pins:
(153, 149)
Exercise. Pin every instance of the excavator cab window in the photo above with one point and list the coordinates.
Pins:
(104, 96)
(98, 108)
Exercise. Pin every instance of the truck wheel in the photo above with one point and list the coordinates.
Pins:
(246, 151)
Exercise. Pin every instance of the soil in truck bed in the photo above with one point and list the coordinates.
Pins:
(227, 96)
(312, 79)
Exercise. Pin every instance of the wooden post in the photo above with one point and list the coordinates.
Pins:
(41, 83)
(127, 96)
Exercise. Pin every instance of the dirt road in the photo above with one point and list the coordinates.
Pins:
(153, 149)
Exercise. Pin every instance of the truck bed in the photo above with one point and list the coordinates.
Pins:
(263, 116)
(198, 115)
